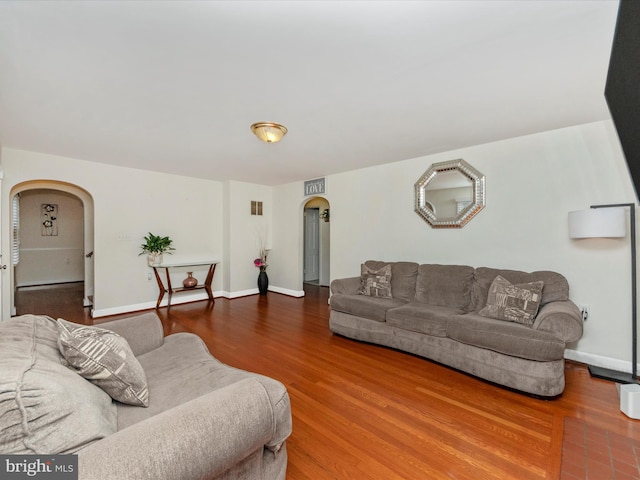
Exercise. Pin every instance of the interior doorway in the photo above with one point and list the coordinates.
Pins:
(52, 240)
(316, 222)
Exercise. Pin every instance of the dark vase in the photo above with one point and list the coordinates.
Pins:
(263, 282)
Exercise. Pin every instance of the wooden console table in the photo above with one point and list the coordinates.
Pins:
(171, 290)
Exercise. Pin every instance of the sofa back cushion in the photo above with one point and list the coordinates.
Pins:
(45, 408)
(403, 278)
(556, 287)
(444, 285)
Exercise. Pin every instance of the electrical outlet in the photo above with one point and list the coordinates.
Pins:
(584, 310)
(149, 276)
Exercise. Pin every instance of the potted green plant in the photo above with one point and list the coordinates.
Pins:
(154, 247)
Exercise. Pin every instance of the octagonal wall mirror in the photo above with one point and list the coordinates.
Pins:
(449, 194)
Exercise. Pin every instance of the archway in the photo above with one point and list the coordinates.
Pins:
(31, 188)
(315, 247)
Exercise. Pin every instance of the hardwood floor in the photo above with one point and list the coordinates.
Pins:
(367, 412)
(61, 300)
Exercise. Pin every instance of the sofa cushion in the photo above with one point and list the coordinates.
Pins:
(375, 283)
(514, 303)
(182, 369)
(373, 308)
(104, 358)
(422, 318)
(444, 285)
(403, 278)
(505, 337)
(45, 408)
(556, 287)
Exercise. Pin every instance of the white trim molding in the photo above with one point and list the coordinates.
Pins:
(598, 360)
(186, 298)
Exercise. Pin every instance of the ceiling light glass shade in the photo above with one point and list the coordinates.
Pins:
(598, 223)
(269, 132)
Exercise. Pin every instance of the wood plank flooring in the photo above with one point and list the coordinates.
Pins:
(367, 412)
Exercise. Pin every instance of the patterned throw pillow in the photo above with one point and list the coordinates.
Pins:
(514, 303)
(375, 283)
(105, 359)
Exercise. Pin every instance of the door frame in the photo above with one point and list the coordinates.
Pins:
(88, 221)
(324, 232)
(311, 214)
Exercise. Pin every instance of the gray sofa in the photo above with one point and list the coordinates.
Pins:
(204, 419)
(434, 312)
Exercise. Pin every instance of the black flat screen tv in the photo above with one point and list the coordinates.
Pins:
(622, 90)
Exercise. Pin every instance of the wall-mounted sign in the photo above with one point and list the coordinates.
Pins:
(314, 187)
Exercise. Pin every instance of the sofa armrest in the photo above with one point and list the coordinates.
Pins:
(198, 439)
(345, 286)
(562, 319)
(144, 333)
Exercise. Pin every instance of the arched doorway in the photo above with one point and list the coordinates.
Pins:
(56, 243)
(316, 251)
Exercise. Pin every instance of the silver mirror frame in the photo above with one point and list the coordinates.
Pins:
(422, 206)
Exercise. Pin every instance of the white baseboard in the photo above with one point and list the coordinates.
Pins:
(175, 300)
(255, 291)
(241, 293)
(44, 286)
(190, 297)
(105, 312)
(598, 360)
(286, 291)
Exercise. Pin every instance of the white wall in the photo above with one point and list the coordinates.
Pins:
(50, 259)
(244, 234)
(128, 204)
(287, 262)
(532, 182)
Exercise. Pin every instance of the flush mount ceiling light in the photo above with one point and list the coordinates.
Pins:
(268, 131)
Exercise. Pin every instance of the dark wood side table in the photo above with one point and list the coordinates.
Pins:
(170, 290)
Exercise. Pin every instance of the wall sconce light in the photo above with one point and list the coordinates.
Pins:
(269, 132)
(608, 221)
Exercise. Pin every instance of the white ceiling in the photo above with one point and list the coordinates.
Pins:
(174, 86)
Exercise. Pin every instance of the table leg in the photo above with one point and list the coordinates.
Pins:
(160, 287)
(209, 280)
(169, 287)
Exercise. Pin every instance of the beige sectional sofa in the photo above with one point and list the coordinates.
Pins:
(204, 419)
(440, 312)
